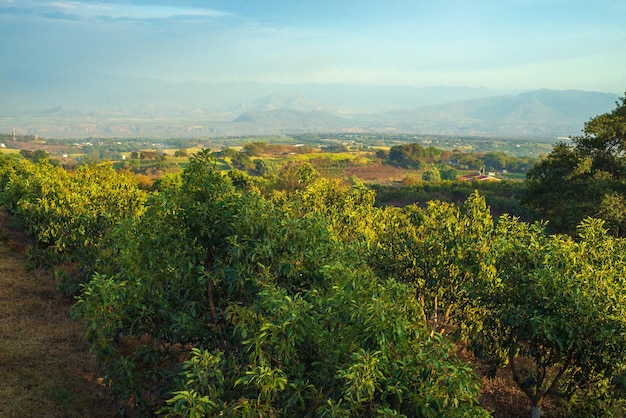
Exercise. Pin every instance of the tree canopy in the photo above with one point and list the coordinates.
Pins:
(586, 177)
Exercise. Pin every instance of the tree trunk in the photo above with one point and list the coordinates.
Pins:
(536, 412)
(211, 302)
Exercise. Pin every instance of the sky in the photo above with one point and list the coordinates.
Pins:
(501, 44)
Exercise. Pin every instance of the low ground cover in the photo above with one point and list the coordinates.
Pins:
(46, 366)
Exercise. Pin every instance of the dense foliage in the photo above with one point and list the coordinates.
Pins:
(502, 197)
(586, 177)
(68, 213)
(556, 315)
(220, 301)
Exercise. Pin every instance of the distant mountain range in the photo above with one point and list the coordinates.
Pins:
(539, 113)
(82, 105)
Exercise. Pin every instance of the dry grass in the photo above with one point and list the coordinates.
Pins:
(503, 398)
(500, 395)
(45, 366)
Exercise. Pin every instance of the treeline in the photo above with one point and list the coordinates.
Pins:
(501, 197)
(415, 156)
(256, 149)
(215, 294)
(408, 154)
(509, 145)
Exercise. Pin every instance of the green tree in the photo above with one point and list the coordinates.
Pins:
(348, 208)
(470, 161)
(577, 180)
(544, 318)
(69, 214)
(295, 176)
(264, 168)
(407, 155)
(148, 155)
(255, 149)
(613, 210)
(443, 251)
(227, 153)
(181, 153)
(432, 175)
(35, 156)
(242, 161)
(433, 155)
(449, 173)
(604, 140)
(495, 161)
(382, 154)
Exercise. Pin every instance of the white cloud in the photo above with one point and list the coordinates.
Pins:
(255, 44)
(84, 10)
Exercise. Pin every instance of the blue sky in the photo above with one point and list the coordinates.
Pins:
(504, 44)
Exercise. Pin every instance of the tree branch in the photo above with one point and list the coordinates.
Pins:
(552, 390)
(210, 297)
(516, 377)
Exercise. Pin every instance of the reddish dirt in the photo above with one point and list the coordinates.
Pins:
(382, 174)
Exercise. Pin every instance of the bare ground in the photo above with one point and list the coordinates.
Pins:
(45, 365)
(380, 174)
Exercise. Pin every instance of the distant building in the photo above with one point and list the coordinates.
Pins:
(479, 177)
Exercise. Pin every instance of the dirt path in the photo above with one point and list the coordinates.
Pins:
(45, 366)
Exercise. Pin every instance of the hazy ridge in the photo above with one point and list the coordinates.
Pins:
(83, 104)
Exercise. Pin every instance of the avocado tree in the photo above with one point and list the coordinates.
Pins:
(67, 213)
(348, 208)
(555, 315)
(443, 251)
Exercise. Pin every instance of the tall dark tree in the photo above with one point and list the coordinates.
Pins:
(604, 140)
(407, 155)
(582, 178)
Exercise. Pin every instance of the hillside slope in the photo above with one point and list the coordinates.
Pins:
(536, 113)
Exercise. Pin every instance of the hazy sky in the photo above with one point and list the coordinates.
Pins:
(508, 44)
